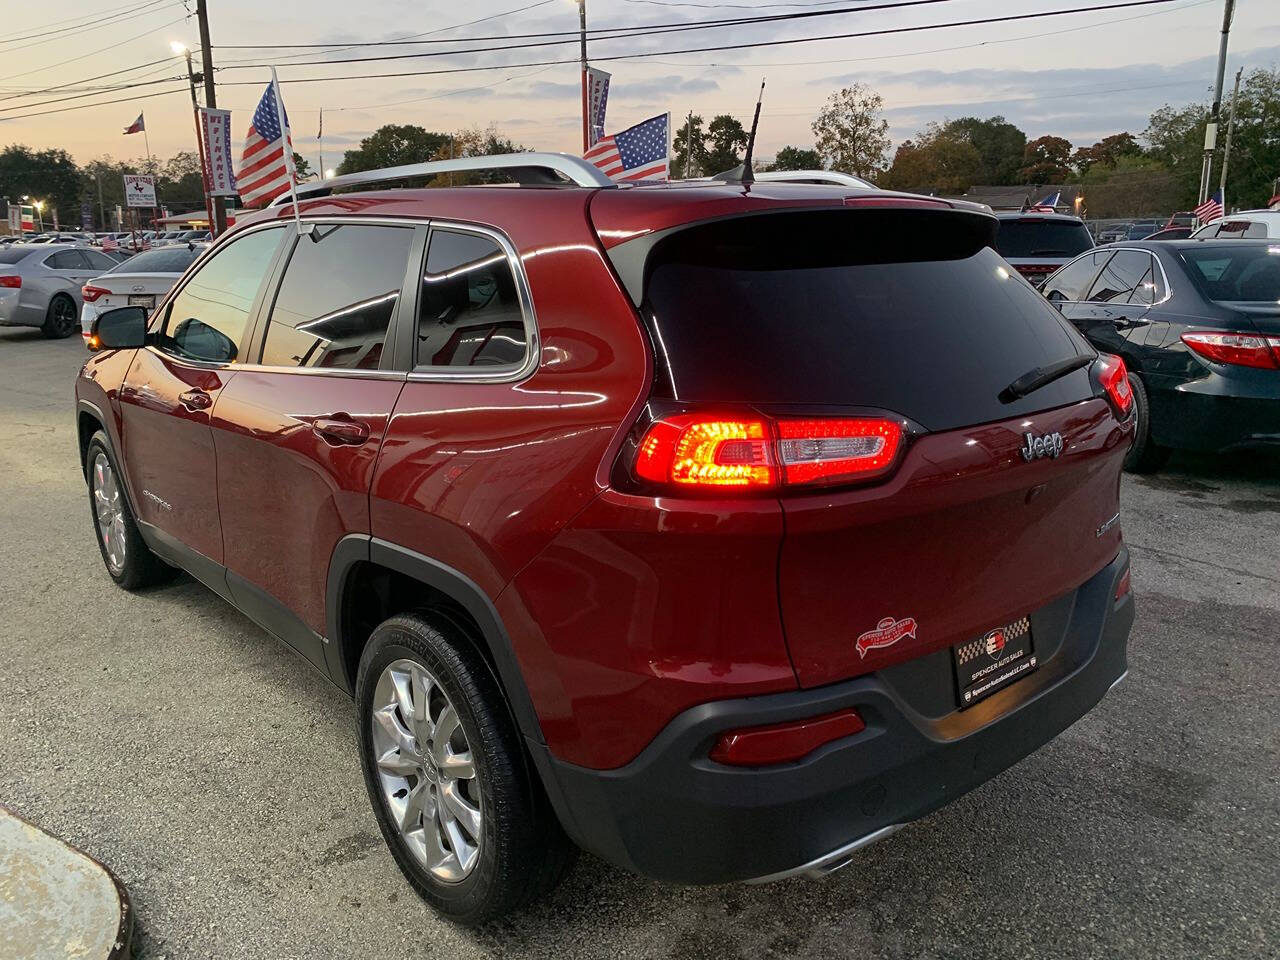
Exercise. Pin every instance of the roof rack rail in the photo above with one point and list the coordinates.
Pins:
(815, 176)
(532, 168)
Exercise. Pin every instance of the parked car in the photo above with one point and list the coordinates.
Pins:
(1171, 233)
(1112, 233)
(138, 282)
(541, 477)
(71, 238)
(1036, 244)
(1141, 229)
(1198, 326)
(1245, 225)
(165, 238)
(1183, 218)
(40, 285)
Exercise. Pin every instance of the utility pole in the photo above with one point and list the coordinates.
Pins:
(218, 212)
(582, 36)
(102, 211)
(1211, 128)
(688, 145)
(195, 112)
(1226, 151)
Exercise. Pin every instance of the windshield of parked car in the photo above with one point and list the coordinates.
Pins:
(1037, 237)
(164, 260)
(1236, 272)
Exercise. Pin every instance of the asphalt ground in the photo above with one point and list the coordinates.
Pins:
(166, 735)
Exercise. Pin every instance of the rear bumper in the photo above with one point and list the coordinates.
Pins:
(674, 815)
(1216, 412)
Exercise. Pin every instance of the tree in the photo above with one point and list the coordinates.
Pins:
(179, 183)
(1000, 145)
(686, 162)
(852, 136)
(473, 142)
(1046, 160)
(302, 166)
(1106, 151)
(796, 158)
(727, 138)
(391, 146)
(47, 175)
(941, 159)
(1134, 186)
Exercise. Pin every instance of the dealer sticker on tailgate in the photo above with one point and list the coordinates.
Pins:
(993, 661)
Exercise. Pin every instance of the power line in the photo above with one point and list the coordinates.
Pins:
(101, 76)
(93, 53)
(103, 103)
(93, 24)
(732, 46)
(95, 93)
(596, 32)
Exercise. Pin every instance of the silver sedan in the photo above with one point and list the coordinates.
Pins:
(40, 285)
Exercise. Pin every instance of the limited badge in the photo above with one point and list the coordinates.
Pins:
(887, 632)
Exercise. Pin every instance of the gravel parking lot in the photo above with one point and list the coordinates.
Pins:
(169, 737)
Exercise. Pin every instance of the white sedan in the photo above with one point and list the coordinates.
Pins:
(140, 281)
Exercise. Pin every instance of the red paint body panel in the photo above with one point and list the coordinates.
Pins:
(965, 537)
(642, 608)
(286, 495)
(168, 449)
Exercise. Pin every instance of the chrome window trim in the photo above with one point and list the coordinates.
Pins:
(1168, 287)
(532, 347)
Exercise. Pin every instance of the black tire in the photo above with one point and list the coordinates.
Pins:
(1145, 456)
(522, 851)
(140, 567)
(60, 320)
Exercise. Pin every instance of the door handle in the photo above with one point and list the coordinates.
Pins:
(196, 400)
(340, 430)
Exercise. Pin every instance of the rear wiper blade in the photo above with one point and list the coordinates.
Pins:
(1033, 380)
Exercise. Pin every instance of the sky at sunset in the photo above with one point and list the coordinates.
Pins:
(1081, 76)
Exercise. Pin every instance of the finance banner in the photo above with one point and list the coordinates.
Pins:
(215, 125)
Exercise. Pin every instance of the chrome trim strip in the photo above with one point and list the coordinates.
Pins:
(574, 169)
(830, 862)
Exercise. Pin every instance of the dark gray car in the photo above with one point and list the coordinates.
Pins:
(40, 285)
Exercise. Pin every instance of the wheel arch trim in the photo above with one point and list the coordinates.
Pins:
(354, 549)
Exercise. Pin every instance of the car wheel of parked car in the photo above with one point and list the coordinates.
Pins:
(60, 319)
(453, 792)
(1145, 456)
(128, 558)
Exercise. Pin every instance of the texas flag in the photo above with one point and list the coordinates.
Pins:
(137, 126)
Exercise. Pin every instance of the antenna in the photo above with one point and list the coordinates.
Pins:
(747, 175)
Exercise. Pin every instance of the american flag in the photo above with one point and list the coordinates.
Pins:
(110, 244)
(637, 153)
(264, 167)
(1211, 209)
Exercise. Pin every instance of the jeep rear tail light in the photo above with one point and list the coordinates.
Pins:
(91, 293)
(1114, 378)
(696, 451)
(1238, 349)
(784, 742)
(12, 281)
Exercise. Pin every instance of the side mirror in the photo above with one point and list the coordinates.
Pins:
(120, 329)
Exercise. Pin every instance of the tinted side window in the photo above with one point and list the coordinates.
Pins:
(97, 260)
(1149, 288)
(1072, 280)
(207, 318)
(469, 314)
(65, 260)
(338, 296)
(1119, 278)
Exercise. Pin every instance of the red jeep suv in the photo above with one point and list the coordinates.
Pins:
(719, 529)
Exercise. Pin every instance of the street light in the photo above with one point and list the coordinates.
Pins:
(328, 174)
(178, 47)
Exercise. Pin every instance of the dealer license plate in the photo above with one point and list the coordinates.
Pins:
(148, 302)
(993, 661)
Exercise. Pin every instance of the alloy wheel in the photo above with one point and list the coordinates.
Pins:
(64, 316)
(426, 770)
(108, 508)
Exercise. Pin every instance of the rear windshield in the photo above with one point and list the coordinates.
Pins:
(861, 308)
(1042, 238)
(1232, 272)
(164, 260)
